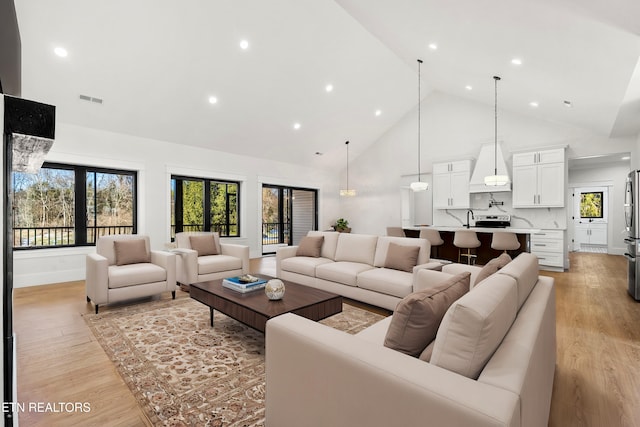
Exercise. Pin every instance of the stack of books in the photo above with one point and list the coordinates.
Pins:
(245, 283)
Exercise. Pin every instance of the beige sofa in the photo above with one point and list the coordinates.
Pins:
(319, 376)
(353, 265)
(111, 280)
(230, 260)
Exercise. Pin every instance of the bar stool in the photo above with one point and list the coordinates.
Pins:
(433, 236)
(504, 241)
(466, 239)
(395, 232)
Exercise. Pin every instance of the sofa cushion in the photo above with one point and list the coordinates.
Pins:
(474, 326)
(492, 267)
(341, 272)
(382, 248)
(121, 276)
(524, 269)
(400, 257)
(217, 263)
(303, 265)
(427, 352)
(329, 243)
(417, 317)
(359, 248)
(386, 281)
(131, 251)
(204, 244)
(310, 246)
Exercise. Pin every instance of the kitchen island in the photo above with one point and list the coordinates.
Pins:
(448, 251)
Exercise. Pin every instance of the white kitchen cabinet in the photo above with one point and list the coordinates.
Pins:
(538, 179)
(451, 185)
(591, 233)
(548, 246)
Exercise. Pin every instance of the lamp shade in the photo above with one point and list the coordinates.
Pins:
(419, 186)
(348, 192)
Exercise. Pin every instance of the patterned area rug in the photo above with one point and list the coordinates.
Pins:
(185, 373)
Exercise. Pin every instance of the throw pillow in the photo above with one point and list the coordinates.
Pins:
(131, 251)
(204, 244)
(401, 257)
(310, 246)
(491, 267)
(417, 317)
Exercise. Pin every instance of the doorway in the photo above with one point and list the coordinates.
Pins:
(288, 214)
(590, 219)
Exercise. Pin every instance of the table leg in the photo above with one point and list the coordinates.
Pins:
(211, 316)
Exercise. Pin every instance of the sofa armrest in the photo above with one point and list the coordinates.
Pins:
(238, 251)
(431, 265)
(166, 260)
(425, 279)
(97, 278)
(186, 266)
(356, 382)
(283, 253)
(456, 268)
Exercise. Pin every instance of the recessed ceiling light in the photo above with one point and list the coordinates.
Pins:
(244, 44)
(328, 87)
(533, 104)
(213, 100)
(378, 112)
(567, 104)
(516, 61)
(61, 52)
(468, 87)
(626, 158)
(433, 46)
(296, 126)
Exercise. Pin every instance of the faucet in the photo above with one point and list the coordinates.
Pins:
(469, 211)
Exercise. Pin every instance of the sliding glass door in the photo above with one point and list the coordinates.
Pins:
(287, 215)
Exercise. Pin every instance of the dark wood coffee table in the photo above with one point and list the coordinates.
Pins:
(254, 308)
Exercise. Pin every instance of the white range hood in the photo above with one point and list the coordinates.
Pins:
(485, 167)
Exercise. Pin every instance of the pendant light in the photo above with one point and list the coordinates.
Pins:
(496, 180)
(419, 185)
(348, 192)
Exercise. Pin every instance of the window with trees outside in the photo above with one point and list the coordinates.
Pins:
(70, 205)
(202, 204)
(591, 204)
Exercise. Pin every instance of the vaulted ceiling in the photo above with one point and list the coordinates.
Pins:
(155, 64)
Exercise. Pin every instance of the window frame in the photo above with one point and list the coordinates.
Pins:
(176, 225)
(80, 202)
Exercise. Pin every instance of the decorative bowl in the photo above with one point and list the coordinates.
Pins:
(274, 289)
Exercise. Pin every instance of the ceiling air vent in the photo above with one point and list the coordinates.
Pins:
(91, 99)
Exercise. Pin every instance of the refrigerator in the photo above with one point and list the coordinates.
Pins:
(632, 240)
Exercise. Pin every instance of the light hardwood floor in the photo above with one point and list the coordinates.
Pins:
(597, 380)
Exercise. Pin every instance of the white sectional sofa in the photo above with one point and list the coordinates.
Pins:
(504, 328)
(354, 266)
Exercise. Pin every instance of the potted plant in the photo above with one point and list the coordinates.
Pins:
(342, 226)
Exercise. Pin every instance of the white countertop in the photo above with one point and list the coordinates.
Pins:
(481, 229)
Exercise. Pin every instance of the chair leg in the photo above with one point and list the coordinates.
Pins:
(173, 294)
(97, 308)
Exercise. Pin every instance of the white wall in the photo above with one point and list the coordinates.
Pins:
(155, 161)
(612, 176)
(454, 128)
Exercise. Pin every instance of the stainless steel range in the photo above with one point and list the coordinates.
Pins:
(493, 221)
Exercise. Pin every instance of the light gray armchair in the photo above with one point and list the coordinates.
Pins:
(202, 257)
(124, 267)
